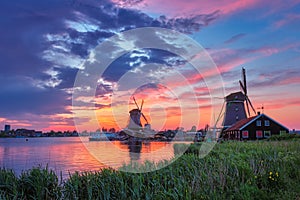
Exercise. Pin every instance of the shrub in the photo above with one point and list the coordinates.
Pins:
(286, 136)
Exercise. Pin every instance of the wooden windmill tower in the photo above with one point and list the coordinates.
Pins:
(135, 117)
(235, 104)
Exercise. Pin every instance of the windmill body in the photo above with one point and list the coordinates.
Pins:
(235, 109)
(135, 119)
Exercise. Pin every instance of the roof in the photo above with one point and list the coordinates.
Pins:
(245, 122)
(239, 124)
(236, 96)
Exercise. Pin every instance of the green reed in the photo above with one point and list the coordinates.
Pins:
(36, 183)
(232, 170)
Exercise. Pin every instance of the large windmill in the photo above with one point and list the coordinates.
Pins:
(135, 117)
(235, 104)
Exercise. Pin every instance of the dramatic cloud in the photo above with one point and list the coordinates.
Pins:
(286, 77)
(45, 43)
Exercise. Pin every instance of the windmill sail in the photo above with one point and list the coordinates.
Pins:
(245, 91)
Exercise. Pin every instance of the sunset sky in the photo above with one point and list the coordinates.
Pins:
(43, 44)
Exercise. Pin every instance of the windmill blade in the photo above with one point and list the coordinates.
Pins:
(242, 87)
(135, 103)
(145, 118)
(248, 100)
(142, 104)
(244, 80)
(248, 109)
(221, 113)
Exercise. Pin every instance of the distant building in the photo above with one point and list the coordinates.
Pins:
(257, 127)
(6, 128)
(38, 134)
(25, 133)
(295, 131)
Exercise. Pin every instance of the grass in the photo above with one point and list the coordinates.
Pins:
(36, 183)
(232, 170)
(286, 136)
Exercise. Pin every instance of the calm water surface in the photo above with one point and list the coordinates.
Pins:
(69, 154)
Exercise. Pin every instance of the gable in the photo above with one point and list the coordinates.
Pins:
(262, 117)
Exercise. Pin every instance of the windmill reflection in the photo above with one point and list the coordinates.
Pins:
(134, 147)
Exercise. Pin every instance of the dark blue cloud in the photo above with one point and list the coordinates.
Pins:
(19, 96)
(67, 77)
(22, 26)
(235, 38)
(127, 62)
(103, 89)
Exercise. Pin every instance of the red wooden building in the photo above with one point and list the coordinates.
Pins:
(253, 128)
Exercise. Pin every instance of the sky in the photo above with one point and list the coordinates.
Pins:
(45, 45)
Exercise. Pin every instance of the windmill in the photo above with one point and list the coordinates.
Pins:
(135, 117)
(235, 104)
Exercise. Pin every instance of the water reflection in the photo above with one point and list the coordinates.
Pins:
(60, 154)
(68, 155)
(134, 148)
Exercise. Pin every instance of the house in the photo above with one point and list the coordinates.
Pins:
(253, 128)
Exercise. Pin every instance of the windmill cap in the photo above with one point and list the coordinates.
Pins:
(237, 96)
(134, 111)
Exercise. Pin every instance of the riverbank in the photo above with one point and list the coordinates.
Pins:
(232, 170)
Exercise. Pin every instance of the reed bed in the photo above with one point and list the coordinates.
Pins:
(232, 170)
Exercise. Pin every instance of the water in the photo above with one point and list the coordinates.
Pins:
(69, 154)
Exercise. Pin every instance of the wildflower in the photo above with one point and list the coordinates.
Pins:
(277, 174)
(271, 173)
(270, 177)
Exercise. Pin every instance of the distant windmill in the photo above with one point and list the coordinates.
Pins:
(235, 104)
(135, 117)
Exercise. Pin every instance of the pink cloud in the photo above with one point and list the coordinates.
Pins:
(15, 124)
(292, 80)
(288, 19)
(59, 128)
(266, 51)
(283, 104)
(278, 5)
(179, 8)
(228, 59)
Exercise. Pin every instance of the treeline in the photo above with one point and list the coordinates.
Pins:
(33, 133)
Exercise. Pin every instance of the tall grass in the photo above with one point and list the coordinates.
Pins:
(36, 183)
(232, 170)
